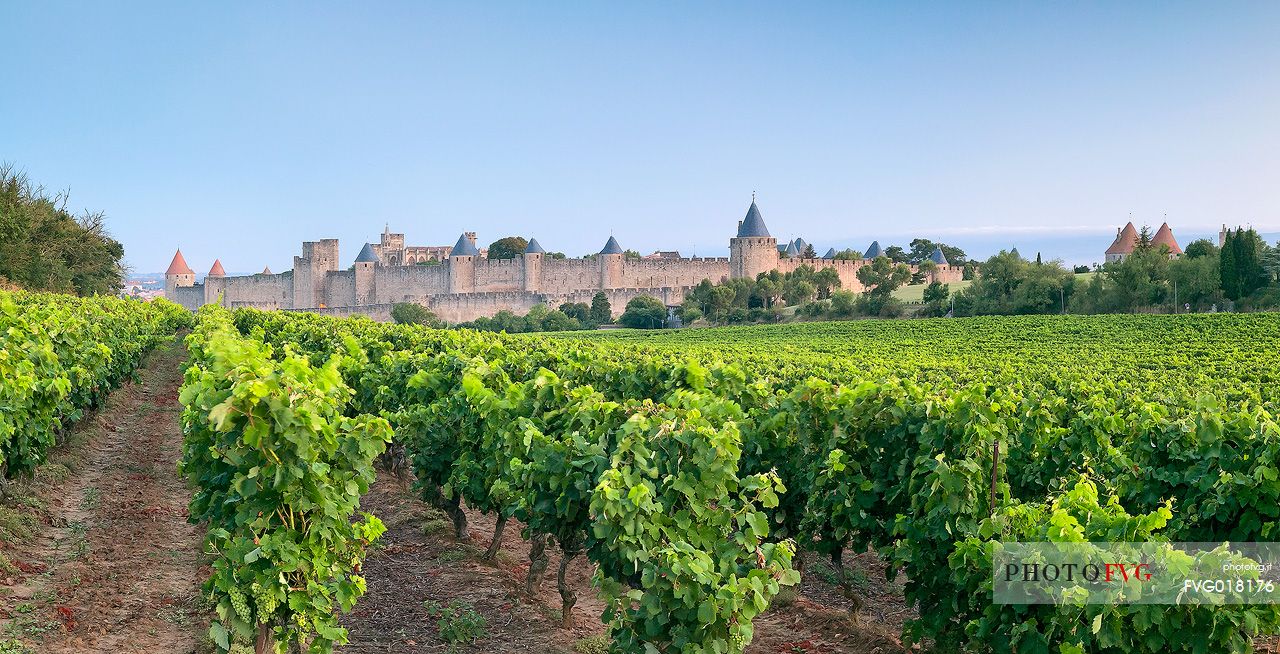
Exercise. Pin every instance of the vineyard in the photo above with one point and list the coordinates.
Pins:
(59, 357)
(689, 468)
(694, 470)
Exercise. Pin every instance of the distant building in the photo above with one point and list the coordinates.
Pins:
(465, 284)
(1127, 241)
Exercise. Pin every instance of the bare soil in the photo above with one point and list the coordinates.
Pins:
(114, 566)
(418, 560)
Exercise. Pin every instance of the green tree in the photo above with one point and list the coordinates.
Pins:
(1228, 268)
(577, 310)
(688, 312)
(508, 247)
(848, 255)
(797, 291)
(45, 248)
(1009, 284)
(1248, 248)
(936, 295)
(1200, 248)
(1139, 280)
(809, 252)
(843, 304)
(721, 301)
(768, 290)
(881, 278)
(408, 313)
(922, 248)
(1271, 262)
(601, 312)
(826, 281)
(1144, 238)
(1198, 280)
(644, 312)
(896, 254)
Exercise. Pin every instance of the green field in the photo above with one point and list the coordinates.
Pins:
(1219, 353)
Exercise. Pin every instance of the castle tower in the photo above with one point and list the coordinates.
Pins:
(1164, 237)
(611, 264)
(462, 264)
(215, 283)
(311, 273)
(366, 279)
(179, 274)
(532, 258)
(753, 250)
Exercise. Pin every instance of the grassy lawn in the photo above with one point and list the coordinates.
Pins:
(916, 293)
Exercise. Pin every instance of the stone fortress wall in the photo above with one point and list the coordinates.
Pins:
(466, 285)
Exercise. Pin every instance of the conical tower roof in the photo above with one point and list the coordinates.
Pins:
(217, 270)
(464, 248)
(534, 247)
(873, 251)
(1014, 252)
(367, 255)
(792, 250)
(179, 265)
(831, 254)
(612, 247)
(266, 270)
(1125, 241)
(938, 257)
(753, 224)
(1164, 236)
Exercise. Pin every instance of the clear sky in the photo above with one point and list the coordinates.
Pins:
(236, 130)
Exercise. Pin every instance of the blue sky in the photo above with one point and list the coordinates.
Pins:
(236, 131)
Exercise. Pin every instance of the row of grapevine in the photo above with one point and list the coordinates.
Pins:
(529, 427)
(652, 493)
(59, 356)
(278, 472)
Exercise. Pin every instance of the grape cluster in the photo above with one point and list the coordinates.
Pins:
(239, 603)
(240, 648)
(736, 642)
(265, 600)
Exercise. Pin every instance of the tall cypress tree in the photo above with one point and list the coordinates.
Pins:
(1248, 261)
(1227, 267)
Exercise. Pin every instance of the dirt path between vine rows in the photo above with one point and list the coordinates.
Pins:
(418, 561)
(114, 566)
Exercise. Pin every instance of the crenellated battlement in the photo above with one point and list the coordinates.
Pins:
(461, 283)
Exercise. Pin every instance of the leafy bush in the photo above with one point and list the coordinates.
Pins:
(408, 313)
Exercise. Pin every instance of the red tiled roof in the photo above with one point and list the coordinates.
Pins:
(179, 266)
(1125, 241)
(217, 270)
(1164, 236)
